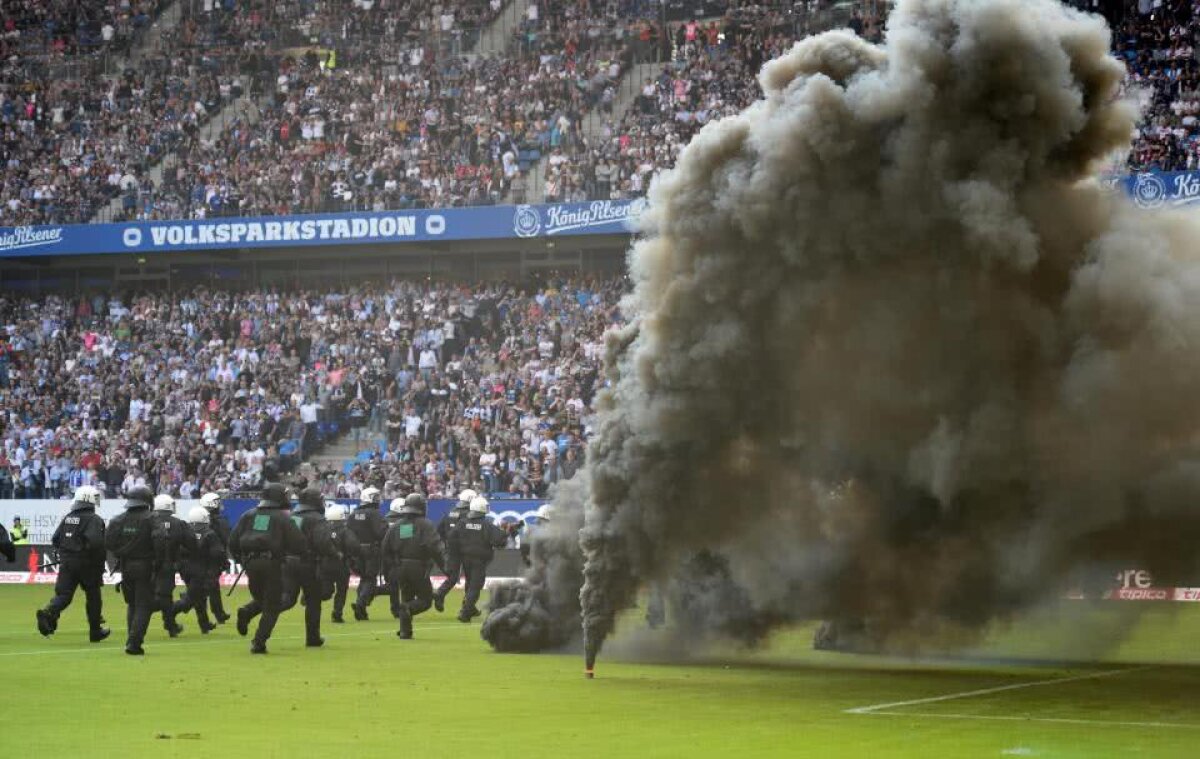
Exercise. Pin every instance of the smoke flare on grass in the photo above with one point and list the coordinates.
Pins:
(893, 356)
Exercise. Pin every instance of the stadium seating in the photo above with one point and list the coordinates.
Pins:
(447, 387)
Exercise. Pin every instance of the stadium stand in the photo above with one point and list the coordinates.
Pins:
(444, 386)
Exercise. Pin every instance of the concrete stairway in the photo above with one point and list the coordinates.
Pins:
(494, 39)
(628, 88)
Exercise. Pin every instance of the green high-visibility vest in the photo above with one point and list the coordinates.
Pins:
(20, 535)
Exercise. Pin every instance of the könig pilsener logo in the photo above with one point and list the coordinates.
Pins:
(527, 222)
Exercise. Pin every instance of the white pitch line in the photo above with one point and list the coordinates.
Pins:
(1015, 718)
(239, 639)
(876, 708)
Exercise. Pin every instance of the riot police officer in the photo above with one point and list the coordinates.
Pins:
(7, 549)
(453, 560)
(80, 543)
(349, 552)
(262, 540)
(395, 512)
(173, 540)
(369, 527)
(476, 540)
(408, 549)
(130, 539)
(303, 572)
(200, 569)
(220, 527)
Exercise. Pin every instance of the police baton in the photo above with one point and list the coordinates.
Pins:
(235, 581)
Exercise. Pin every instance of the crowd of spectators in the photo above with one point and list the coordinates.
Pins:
(381, 112)
(1157, 42)
(68, 145)
(447, 386)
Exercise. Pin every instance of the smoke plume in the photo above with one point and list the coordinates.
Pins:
(894, 356)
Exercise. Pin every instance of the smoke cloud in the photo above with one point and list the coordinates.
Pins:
(894, 356)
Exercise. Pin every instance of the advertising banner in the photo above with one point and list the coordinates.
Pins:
(599, 217)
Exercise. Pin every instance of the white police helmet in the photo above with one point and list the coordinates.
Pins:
(164, 502)
(369, 495)
(465, 497)
(87, 494)
(335, 512)
(198, 515)
(210, 501)
(396, 506)
(544, 512)
(479, 505)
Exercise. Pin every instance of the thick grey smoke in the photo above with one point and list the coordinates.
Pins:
(893, 355)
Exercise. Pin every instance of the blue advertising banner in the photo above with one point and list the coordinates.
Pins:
(503, 511)
(599, 217)
(1165, 189)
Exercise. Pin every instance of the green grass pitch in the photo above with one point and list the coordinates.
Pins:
(445, 694)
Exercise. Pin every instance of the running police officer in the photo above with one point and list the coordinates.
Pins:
(395, 511)
(173, 540)
(80, 543)
(220, 527)
(130, 539)
(201, 568)
(410, 546)
(369, 527)
(349, 552)
(263, 538)
(303, 572)
(476, 540)
(445, 526)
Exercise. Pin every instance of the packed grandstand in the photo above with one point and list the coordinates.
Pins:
(147, 110)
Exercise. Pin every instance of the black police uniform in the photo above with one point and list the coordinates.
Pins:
(410, 546)
(389, 588)
(130, 539)
(220, 527)
(200, 570)
(369, 526)
(347, 545)
(173, 539)
(7, 549)
(80, 543)
(453, 559)
(303, 572)
(262, 540)
(475, 539)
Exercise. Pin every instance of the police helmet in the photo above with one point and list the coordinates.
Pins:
(139, 497)
(369, 495)
(414, 504)
(211, 501)
(544, 512)
(479, 505)
(87, 494)
(335, 512)
(198, 515)
(274, 496)
(465, 498)
(164, 502)
(396, 506)
(311, 498)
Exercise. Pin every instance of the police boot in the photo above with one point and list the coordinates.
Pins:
(135, 651)
(360, 613)
(405, 617)
(174, 630)
(314, 642)
(258, 648)
(243, 622)
(205, 629)
(439, 602)
(337, 617)
(46, 623)
(99, 634)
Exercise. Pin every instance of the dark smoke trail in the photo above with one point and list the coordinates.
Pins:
(893, 356)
